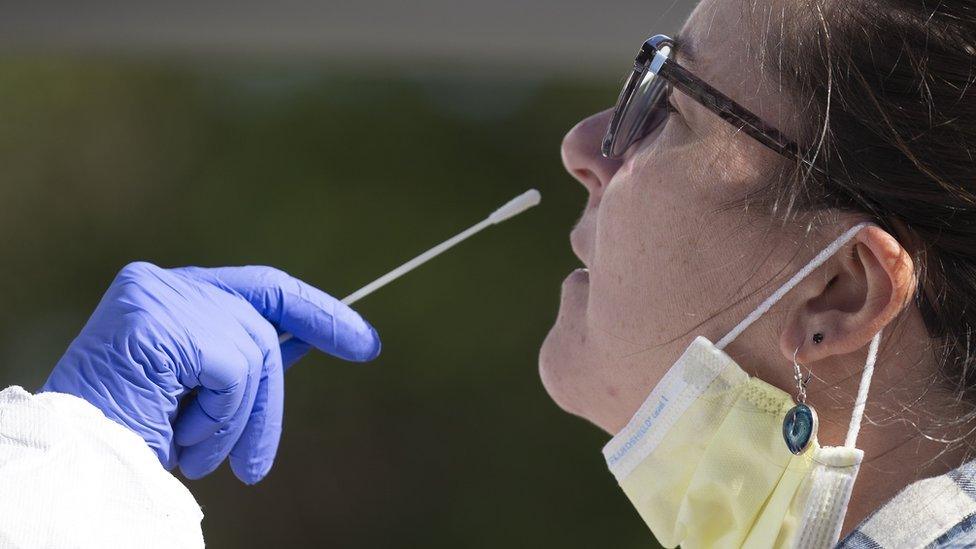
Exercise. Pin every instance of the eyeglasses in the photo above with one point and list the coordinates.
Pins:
(643, 103)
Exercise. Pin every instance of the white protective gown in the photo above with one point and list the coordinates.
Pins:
(70, 477)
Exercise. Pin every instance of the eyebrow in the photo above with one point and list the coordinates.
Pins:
(684, 47)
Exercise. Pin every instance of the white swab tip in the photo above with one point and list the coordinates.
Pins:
(516, 206)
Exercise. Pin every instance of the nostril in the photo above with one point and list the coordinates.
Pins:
(593, 184)
(588, 178)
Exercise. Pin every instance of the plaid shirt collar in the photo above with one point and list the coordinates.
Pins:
(935, 512)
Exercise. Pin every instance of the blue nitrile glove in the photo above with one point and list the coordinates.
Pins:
(158, 334)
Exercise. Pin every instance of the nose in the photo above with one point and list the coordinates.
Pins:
(582, 157)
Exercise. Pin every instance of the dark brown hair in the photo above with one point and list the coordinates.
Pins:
(886, 98)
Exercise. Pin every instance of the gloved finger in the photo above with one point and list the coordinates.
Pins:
(253, 454)
(221, 384)
(293, 306)
(292, 351)
(200, 459)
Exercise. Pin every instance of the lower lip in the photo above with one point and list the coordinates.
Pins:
(579, 275)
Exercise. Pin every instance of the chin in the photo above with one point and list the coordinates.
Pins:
(555, 370)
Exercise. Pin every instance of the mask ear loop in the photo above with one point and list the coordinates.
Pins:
(862, 392)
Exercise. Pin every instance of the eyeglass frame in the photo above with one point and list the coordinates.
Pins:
(663, 66)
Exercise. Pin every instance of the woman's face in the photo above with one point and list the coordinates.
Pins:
(662, 266)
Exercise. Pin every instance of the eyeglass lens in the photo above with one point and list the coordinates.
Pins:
(644, 111)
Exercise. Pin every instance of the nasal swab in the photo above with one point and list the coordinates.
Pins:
(512, 208)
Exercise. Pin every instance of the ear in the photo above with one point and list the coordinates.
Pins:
(863, 287)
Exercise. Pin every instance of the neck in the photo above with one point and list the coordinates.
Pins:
(887, 468)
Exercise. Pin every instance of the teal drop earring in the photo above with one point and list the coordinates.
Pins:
(800, 424)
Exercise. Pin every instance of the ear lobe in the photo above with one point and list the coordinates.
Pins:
(865, 286)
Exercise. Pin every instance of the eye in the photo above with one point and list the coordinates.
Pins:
(657, 118)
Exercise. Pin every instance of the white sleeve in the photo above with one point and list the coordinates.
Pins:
(71, 477)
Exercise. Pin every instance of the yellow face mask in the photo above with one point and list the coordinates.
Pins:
(707, 458)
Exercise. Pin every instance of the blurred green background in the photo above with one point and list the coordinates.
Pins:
(335, 175)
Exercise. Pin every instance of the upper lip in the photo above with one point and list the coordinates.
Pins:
(580, 243)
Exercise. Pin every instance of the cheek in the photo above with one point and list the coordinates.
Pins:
(647, 265)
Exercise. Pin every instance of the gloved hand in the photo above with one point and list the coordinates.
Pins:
(159, 334)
